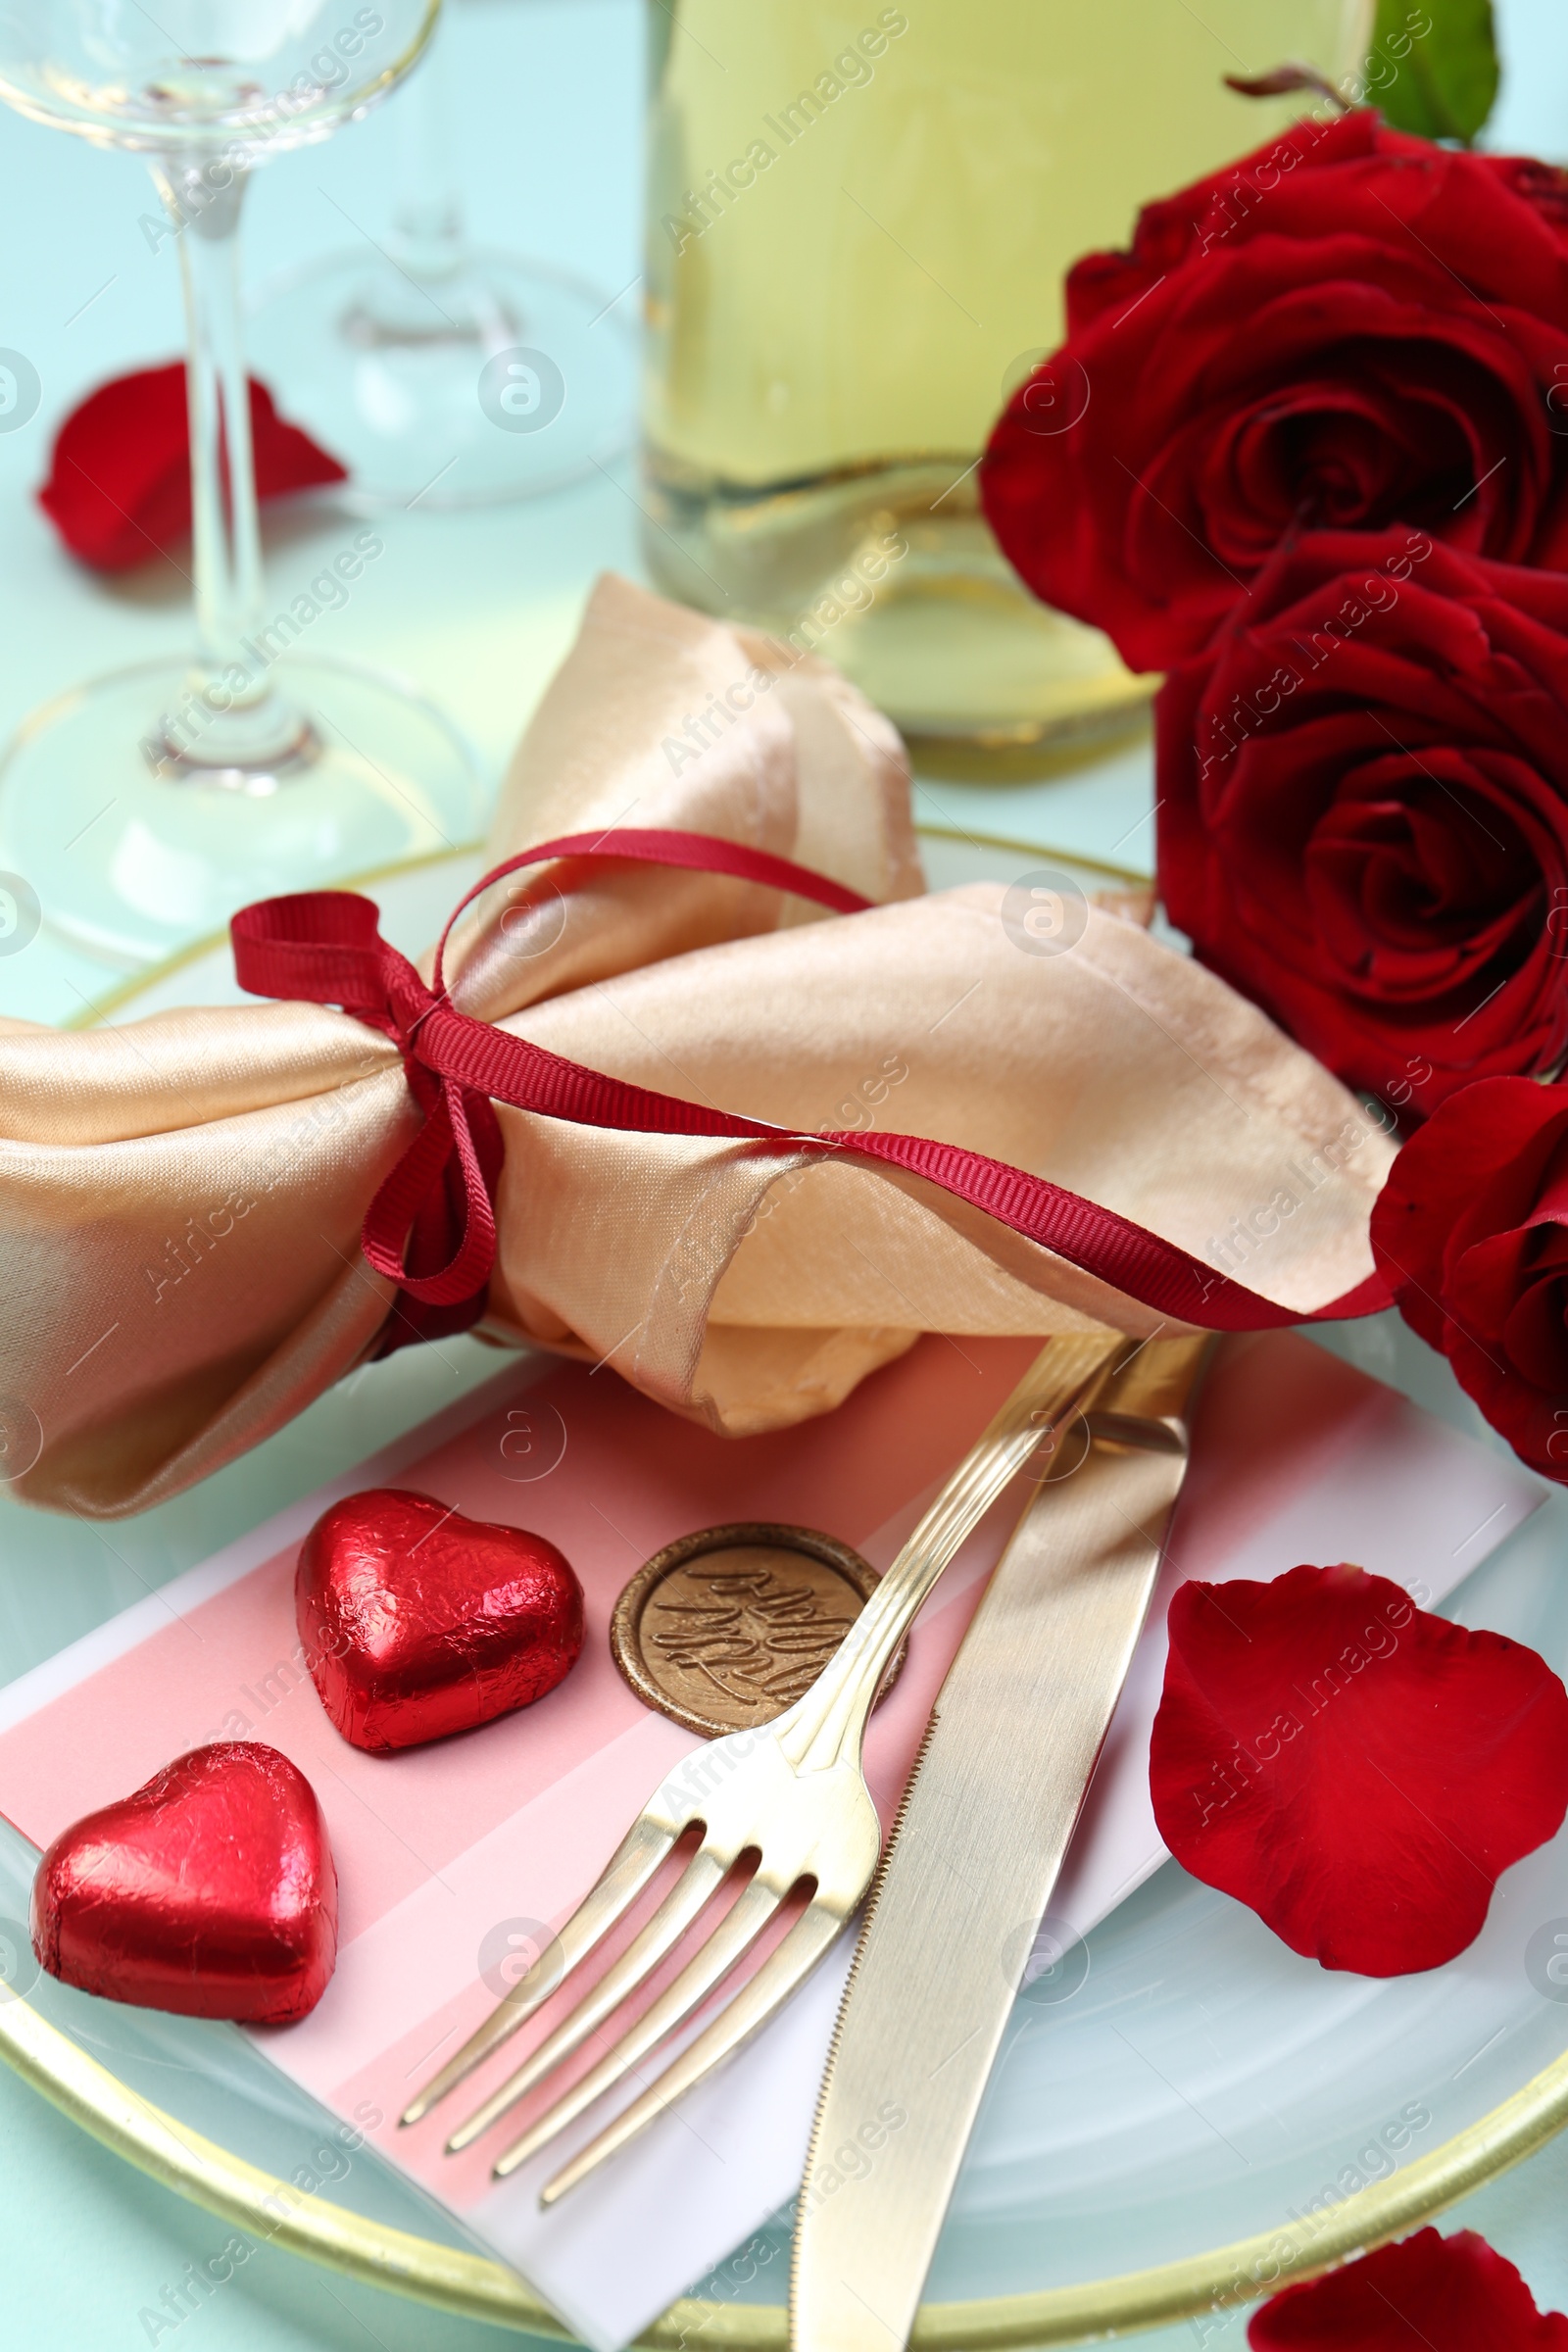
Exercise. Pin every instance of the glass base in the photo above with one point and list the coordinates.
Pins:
(141, 828)
(892, 572)
(498, 379)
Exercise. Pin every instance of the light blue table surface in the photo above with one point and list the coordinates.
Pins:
(478, 607)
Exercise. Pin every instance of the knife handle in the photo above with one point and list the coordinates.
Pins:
(1146, 1403)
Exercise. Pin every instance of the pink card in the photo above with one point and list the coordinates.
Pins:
(455, 1860)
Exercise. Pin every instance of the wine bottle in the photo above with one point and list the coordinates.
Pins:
(859, 218)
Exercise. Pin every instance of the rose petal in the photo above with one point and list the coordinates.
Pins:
(1427, 2295)
(119, 487)
(1356, 1771)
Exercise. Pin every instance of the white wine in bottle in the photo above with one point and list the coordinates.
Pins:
(859, 220)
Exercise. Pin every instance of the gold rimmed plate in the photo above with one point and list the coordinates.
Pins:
(1195, 2117)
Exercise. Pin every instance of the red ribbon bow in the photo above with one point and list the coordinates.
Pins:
(431, 1226)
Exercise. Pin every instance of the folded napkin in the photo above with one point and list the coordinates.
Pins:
(181, 1198)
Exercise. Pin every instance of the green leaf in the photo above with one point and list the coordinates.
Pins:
(1433, 66)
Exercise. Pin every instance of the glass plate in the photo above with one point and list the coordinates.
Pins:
(1203, 2113)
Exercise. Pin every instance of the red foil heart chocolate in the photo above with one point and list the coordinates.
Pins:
(210, 1892)
(416, 1621)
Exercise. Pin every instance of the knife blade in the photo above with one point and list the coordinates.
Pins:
(974, 1853)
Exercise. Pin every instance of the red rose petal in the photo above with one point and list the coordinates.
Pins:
(1356, 1771)
(119, 487)
(1430, 2294)
(210, 1892)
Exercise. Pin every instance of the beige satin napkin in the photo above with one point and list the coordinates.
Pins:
(180, 1199)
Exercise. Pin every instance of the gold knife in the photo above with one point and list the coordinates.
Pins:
(972, 1859)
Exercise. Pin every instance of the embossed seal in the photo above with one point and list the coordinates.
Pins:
(723, 1630)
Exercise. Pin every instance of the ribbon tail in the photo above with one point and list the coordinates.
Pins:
(441, 1187)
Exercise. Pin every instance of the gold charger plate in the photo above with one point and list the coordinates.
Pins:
(451, 2278)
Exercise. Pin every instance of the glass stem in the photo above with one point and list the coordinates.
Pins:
(203, 202)
(233, 728)
(426, 237)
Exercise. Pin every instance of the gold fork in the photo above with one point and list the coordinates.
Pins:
(793, 1792)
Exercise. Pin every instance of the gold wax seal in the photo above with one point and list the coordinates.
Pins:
(723, 1630)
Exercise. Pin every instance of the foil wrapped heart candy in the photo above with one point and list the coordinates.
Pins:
(210, 1892)
(416, 1621)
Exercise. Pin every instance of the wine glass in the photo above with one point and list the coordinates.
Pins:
(145, 806)
(445, 373)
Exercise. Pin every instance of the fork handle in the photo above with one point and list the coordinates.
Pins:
(826, 1725)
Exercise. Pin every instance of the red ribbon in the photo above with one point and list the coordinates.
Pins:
(431, 1226)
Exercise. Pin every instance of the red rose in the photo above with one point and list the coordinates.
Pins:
(1471, 1235)
(119, 487)
(1343, 329)
(1363, 819)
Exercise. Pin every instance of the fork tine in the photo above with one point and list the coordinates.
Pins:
(702, 1878)
(734, 1935)
(812, 1933)
(619, 1884)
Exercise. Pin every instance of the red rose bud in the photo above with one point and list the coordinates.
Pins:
(119, 487)
(417, 1622)
(1430, 2294)
(1346, 328)
(210, 1892)
(1353, 1770)
(1470, 1233)
(1363, 819)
